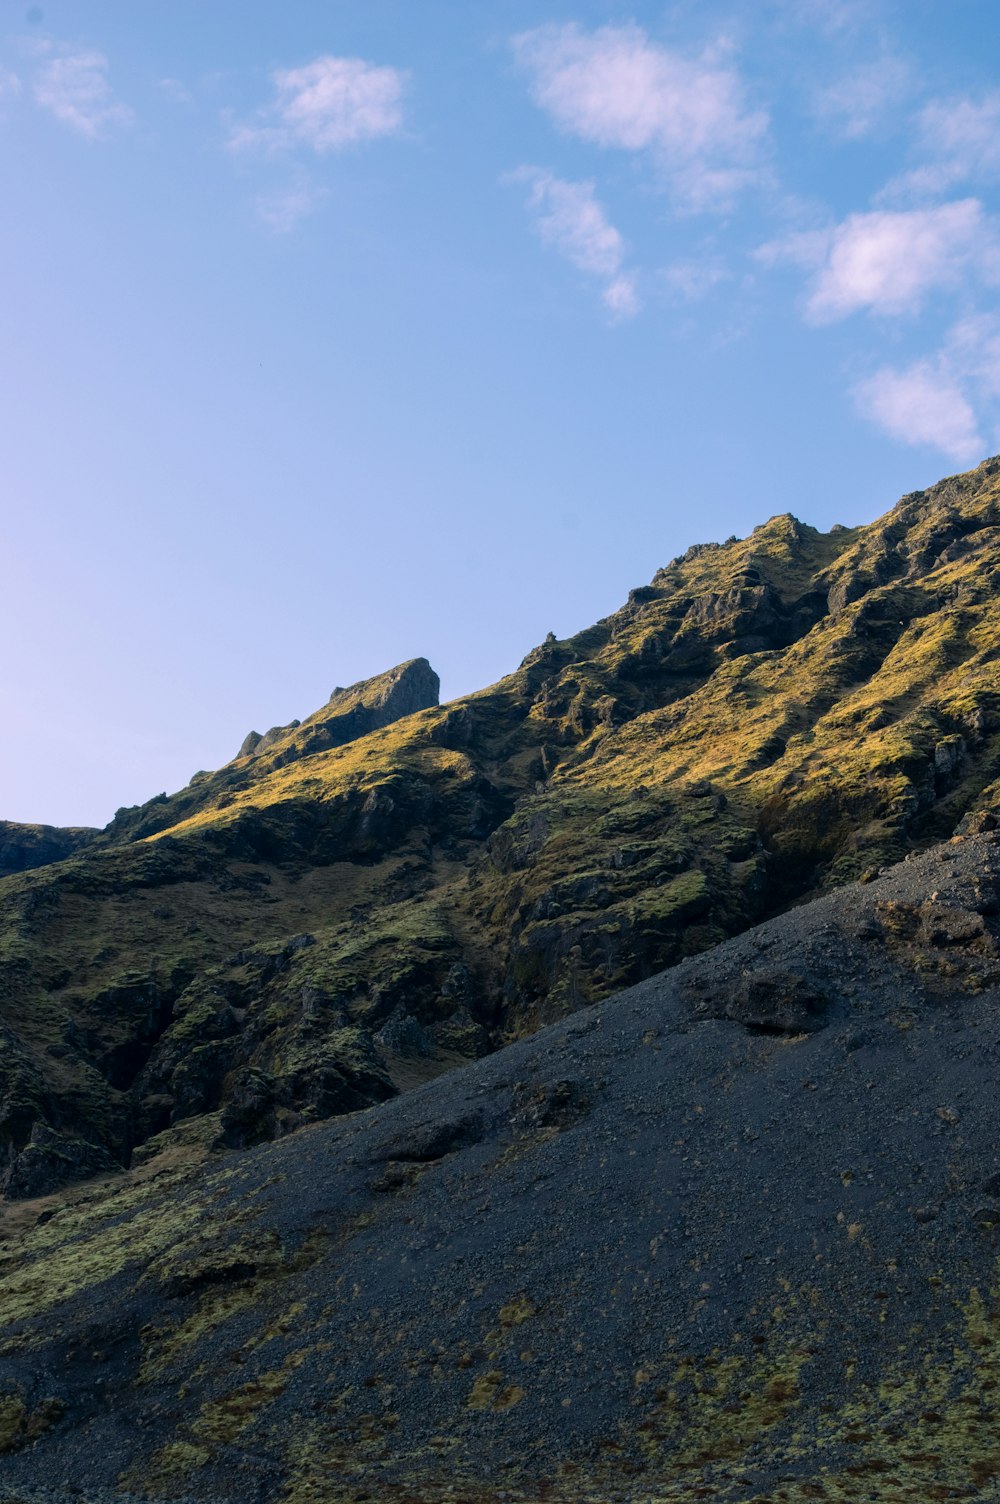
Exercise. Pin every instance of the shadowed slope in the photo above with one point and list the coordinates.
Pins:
(730, 1236)
(25, 846)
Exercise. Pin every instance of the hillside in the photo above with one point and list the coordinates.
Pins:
(25, 846)
(391, 888)
(730, 1236)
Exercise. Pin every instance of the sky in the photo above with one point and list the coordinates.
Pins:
(340, 332)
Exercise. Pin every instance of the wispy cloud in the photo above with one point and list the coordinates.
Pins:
(10, 85)
(832, 17)
(942, 400)
(887, 262)
(959, 140)
(922, 404)
(617, 88)
(861, 100)
(73, 85)
(326, 105)
(690, 281)
(570, 219)
(974, 349)
(621, 298)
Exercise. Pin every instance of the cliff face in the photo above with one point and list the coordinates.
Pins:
(25, 846)
(391, 887)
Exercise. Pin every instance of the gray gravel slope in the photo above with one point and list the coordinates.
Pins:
(731, 1235)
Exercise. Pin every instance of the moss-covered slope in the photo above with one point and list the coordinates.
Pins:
(359, 901)
(731, 1236)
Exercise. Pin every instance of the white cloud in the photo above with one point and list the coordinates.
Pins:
(617, 88)
(960, 140)
(859, 101)
(569, 218)
(621, 298)
(887, 262)
(834, 17)
(940, 400)
(922, 404)
(327, 104)
(966, 132)
(74, 86)
(973, 350)
(10, 85)
(692, 280)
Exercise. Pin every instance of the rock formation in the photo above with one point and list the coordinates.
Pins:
(25, 846)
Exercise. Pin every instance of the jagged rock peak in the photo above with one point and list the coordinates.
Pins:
(366, 706)
(254, 742)
(409, 686)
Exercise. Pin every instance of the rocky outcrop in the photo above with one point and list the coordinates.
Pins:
(255, 742)
(410, 687)
(351, 713)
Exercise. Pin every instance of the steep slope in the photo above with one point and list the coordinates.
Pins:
(327, 919)
(731, 1235)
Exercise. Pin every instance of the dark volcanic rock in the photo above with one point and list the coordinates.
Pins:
(770, 1002)
(48, 1160)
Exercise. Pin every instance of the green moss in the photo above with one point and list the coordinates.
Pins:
(20, 1426)
(94, 1242)
(13, 1416)
(228, 1277)
(222, 1420)
(517, 1311)
(684, 897)
(169, 1469)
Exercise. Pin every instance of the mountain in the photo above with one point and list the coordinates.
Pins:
(730, 1236)
(580, 1091)
(393, 887)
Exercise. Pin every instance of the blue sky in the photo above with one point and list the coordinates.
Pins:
(335, 334)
